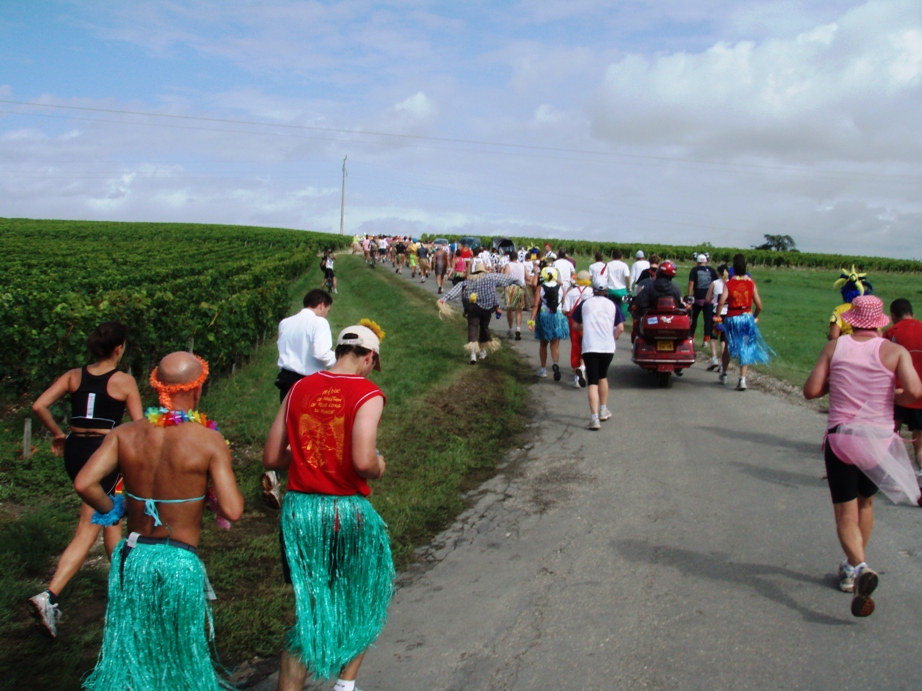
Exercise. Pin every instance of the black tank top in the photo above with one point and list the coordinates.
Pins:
(91, 407)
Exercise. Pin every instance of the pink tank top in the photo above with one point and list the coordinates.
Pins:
(858, 379)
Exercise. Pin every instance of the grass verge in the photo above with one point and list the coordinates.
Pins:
(444, 428)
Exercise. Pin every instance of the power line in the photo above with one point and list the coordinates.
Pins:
(449, 140)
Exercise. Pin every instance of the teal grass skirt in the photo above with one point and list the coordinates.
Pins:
(158, 623)
(343, 577)
(552, 326)
(745, 342)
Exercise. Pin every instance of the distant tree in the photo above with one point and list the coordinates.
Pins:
(778, 243)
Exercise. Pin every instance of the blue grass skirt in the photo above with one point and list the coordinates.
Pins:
(156, 622)
(343, 577)
(552, 326)
(745, 342)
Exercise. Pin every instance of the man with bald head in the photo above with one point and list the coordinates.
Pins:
(157, 612)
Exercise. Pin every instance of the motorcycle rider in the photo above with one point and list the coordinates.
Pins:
(661, 286)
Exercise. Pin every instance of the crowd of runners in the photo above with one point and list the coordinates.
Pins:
(159, 470)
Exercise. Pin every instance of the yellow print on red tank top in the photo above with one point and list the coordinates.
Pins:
(322, 428)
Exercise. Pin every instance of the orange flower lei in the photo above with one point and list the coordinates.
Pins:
(164, 391)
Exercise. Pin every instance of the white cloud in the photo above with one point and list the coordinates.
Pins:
(418, 106)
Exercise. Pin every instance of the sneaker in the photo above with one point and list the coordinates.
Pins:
(722, 378)
(604, 414)
(47, 614)
(440, 290)
(741, 384)
(576, 383)
(482, 355)
(556, 369)
(473, 358)
(846, 577)
(594, 423)
(518, 335)
(865, 583)
(509, 333)
(272, 494)
(713, 364)
(542, 372)
(581, 377)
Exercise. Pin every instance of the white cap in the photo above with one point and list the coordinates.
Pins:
(639, 254)
(702, 259)
(361, 336)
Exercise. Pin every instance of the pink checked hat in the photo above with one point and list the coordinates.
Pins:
(867, 312)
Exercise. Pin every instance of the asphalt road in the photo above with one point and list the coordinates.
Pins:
(689, 544)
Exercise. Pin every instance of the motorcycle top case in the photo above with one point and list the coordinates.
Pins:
(656, 325)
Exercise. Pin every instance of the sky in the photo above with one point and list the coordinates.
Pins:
(660, 121)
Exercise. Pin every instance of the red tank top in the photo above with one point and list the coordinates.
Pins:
(321, 410)
(740, 298)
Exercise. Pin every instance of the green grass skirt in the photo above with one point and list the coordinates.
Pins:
(156, 622)
(343, 577)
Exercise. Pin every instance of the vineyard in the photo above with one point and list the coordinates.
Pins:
(768, 258)
(218, 289)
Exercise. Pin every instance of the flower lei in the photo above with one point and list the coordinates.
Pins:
(164, 417)
(164, 390)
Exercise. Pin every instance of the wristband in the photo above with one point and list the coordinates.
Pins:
(531, 322)
(114, 515)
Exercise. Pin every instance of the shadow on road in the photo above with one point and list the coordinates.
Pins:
(784, 478)
(717, 567)
(807, 448)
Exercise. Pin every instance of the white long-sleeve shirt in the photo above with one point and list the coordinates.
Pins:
(305, 343)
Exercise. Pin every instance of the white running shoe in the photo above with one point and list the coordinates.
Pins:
(741, 384)
(47, 614)
(576, 383)
(713, 364)
(604, 414)
(542, 372)
(722, 378)
(482, 355)
(581, 377)
(594, 423)
(846, 577)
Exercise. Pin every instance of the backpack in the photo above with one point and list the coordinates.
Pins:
(552, 297)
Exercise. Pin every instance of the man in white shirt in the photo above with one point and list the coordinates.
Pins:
(619, 277)
(565, 270)
(305, 342)
(637, 268)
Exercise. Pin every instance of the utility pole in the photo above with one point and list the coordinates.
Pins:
(342, 203)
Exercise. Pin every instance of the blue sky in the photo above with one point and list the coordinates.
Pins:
(640, 120)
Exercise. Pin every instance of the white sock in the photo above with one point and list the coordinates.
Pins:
(603, 409)
(343, 685)
(595, 416)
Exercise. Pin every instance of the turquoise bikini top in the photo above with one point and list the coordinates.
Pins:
(150, 505)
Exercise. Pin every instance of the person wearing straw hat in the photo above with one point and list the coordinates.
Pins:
(574, 297)
(859, 372)
(335, 547)
(478, 295)
(548, 321)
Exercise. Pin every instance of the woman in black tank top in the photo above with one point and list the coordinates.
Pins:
(99, 395)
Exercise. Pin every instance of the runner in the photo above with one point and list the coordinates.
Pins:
(601, 323)
(699, 280)
(573, 298)
(515, 295)
(907, 332)
(478, 295)
(335, 548)
(637, 268)
(99, 395)
(715, 290)
(859, 372)
(158, 610)
(548, 321)
(619, 278)
(851, 285)
(422, 254)
(442, 263)
(744, 341)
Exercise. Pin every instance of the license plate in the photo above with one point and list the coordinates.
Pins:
(665, 345)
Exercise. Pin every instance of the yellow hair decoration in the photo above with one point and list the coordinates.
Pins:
(852, 276)
(379, 332)
(164, 391)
